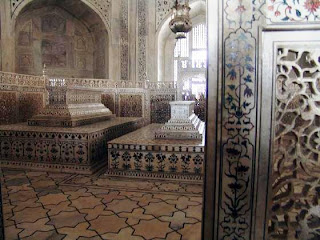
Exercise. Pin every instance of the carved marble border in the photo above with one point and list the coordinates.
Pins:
(124, 40)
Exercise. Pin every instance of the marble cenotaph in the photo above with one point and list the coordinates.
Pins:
(183, 124)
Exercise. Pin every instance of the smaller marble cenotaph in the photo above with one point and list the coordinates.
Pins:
(183, 124)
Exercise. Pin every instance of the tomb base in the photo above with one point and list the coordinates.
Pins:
(139, 154)
(79, 150)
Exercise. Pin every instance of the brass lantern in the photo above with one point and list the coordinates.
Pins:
(180, 23)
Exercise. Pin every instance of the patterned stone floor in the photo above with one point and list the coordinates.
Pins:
(42, 205)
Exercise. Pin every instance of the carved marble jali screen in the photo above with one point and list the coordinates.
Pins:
(294, 211)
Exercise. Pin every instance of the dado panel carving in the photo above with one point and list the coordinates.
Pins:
(131, 105)
(160, 107)
(295, 211)
(8, 103)
(30, 104)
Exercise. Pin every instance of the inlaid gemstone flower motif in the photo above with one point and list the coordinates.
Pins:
(293, 10)
(149, 161)
(126, 160)
(137, 160)
(312, 5)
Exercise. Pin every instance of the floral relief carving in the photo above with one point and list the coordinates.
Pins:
(294, 213)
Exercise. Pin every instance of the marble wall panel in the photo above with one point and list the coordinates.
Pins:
(160, 108)
(131, 105)
(8, 107)
(53, 37)
(108, 99)
(30, 104)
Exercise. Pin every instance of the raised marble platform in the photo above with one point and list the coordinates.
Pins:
(80, 149)
(140, 154)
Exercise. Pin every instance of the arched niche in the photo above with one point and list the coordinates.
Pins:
(166, 41)
(67, 36)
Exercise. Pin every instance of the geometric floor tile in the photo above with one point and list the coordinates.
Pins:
(107, 224)
(76, 193)
(31, 228)
(191, 231)
(145, 199)
(95, 212)
(55, 206)
(182, 203)
(81, 230)
(50, 199)
(29, 215)
(125, 205)
(178, 220)
(134, 217)
(67, 219)
(22, 196)
(61, 207)
(12, 232)
(86, 202)
(194, 212)
(52, 235)
(175, 236)
(150, 229)
(124, 234)
(31, 203)
(160, 209)
(112, 196)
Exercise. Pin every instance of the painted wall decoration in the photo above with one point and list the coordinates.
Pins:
(295, 210)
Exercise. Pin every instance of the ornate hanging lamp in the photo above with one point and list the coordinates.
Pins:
(180, 23)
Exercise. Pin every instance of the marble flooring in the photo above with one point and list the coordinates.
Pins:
(43, 205)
